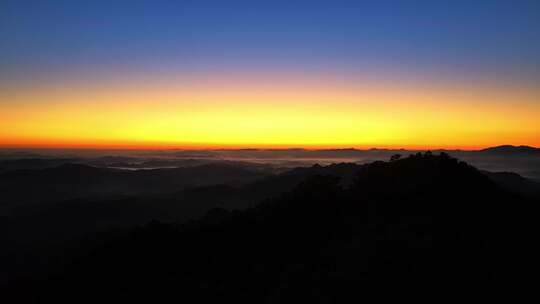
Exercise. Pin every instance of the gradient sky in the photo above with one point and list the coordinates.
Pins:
(429, 74)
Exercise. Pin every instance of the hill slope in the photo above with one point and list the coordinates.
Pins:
(71, 181)
(421, 229)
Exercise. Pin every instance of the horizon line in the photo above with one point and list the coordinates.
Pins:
(217, 147)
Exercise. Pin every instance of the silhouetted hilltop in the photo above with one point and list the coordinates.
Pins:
(286, 181)
(76, 199)
(508, 149)
(423, 229)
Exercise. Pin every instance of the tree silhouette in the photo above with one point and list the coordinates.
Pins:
(395, 157)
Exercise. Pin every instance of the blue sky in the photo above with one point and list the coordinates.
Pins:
(477, 36)
(334, 73)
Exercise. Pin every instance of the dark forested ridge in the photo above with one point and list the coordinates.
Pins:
(71, 181)
(424, 228)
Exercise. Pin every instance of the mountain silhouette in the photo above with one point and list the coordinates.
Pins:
(509, 149)
(423, 229)
(72, 181)
(71, 200)
(515, 183)
(33, 163)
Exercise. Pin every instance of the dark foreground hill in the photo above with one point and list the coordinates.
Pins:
(424, 229)
(133, 201)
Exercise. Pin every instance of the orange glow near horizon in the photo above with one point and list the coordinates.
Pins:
(276, 114)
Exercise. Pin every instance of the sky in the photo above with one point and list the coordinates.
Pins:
(134, 74)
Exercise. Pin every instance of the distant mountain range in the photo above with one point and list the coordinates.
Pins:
(86, 199)
(509, 149)
(103, 156)
(71, 181)
(421, 229)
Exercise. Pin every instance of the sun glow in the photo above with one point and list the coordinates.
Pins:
(272, 114)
